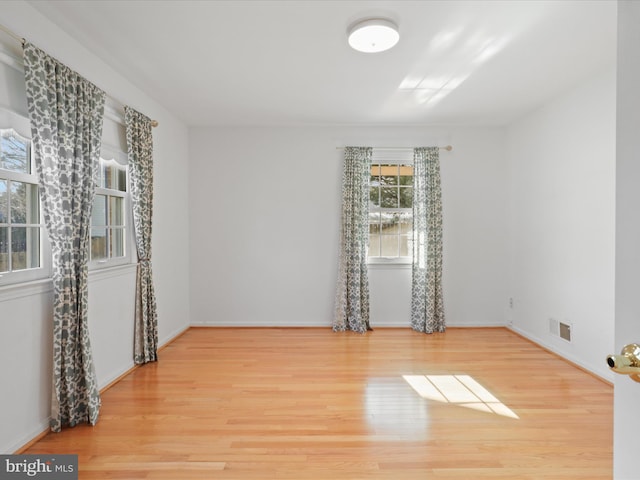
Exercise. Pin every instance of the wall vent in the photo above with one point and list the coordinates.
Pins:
(565, 331)
(560, 329)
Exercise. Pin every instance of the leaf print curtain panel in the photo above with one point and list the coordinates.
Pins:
(140, 145)
(352, 296)
(427, 308)
(66, 114)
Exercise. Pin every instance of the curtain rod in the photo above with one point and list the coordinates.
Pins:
(15, 36)
(448, 148)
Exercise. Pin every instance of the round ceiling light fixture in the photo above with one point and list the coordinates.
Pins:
(373, 35)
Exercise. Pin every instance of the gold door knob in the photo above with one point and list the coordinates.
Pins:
(628, 362)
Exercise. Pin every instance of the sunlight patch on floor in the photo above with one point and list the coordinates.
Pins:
(461, 390)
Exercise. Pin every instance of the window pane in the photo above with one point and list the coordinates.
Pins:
(389, 245)
(390, 223)
(375, 175)
(4, 202)
(4, 249)
(374, 196)
(33, 247)
(108, 176)
(18, 195)
(406, 175)
(405, 223)
(389, 197)
(374, 246)
(116, 211)
(116, 242)
(18, 248)
(113, 176)
(374, 222)
(99, 211)
(122, 179)
(406, 197)
(390, 174)
(98, 243)
(14, 152)
(388, 180)
(386, 221)
(33, 204)
(405, 245)
(25, 207)
(25, 248)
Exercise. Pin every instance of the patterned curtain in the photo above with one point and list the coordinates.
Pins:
(66, 113)
(352, 297)
(427, 308)
(140, 144)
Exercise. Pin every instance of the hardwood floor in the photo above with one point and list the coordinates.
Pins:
(301, 404)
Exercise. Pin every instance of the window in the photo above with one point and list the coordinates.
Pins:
(390, 212)
(108, 216)
(22, 233)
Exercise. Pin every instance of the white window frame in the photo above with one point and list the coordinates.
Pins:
(388, 156)
(113, 154)
(10, 120)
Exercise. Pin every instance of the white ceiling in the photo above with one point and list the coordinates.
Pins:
(288, 62)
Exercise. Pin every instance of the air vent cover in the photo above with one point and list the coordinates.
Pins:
(565, 331)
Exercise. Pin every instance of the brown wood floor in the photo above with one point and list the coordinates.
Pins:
(298, 404)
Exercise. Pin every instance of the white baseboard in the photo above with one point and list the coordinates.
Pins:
(604, 375)
(259, 323)
(43, 426)
(171, 336)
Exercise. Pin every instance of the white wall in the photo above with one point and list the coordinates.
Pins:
(25, 312)
(626, 424)
(562, 204)
(264, 219)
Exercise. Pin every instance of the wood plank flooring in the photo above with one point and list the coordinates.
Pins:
(308, 403)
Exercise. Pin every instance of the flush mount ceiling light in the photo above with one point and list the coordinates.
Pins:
(373, 35)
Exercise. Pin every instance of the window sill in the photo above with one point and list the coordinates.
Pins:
(25, 289)
(98, 274)
(44, 285)
(388, 264)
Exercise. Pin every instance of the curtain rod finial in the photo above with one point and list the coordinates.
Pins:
(154, 123)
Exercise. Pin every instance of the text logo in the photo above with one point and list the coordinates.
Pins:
(50, 467)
